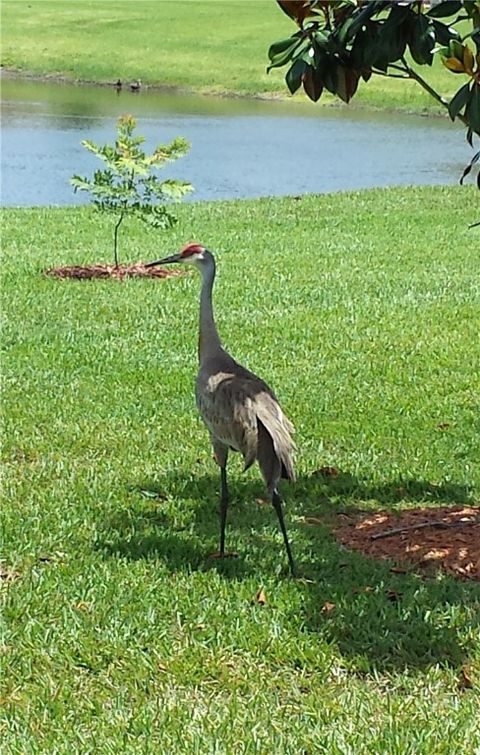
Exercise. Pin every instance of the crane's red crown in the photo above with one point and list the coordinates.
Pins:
(190, 249)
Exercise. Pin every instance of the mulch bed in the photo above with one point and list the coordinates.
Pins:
(448, 538)
(137, 270)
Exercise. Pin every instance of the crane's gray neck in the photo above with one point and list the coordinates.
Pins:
(208, 339)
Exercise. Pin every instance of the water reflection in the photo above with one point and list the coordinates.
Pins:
(240, 148)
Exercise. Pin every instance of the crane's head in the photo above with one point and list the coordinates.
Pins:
(190, 254)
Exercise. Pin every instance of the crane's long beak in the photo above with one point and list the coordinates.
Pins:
(165, 261)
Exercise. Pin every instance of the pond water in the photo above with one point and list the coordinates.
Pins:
(240, 148)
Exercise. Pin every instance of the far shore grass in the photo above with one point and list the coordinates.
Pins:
(121, 635)
(206, 46)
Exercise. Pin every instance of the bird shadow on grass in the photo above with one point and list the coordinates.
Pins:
(378, 618)
(185, 536)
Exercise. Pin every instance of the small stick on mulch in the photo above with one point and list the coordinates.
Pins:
(442, 525)
(136, 270)
(440, 537)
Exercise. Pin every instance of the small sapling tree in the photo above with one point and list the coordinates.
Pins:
(128, 185)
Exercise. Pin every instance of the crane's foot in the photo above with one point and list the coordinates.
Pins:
(224, 554)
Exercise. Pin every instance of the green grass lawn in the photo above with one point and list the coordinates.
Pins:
(214, 46)
(362, 311)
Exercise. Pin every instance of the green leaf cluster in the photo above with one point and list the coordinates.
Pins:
(340, 43)
(128, 185)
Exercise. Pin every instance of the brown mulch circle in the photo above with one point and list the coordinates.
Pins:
(137, 270)
(450, 540)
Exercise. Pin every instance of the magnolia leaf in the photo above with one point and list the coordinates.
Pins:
(342, 89)
(295, 74)
(299, 10)
(458, 101)
(456, 49)
(279, 47)
(444, 9)
(444, 34)
(280, 52)
(347, 30)
(473, 109)
(330, 78)
(468, 60)
(366, 73)
(422, 40)
(469, 167)
(312, 83)
(453, 64)
(347, 82)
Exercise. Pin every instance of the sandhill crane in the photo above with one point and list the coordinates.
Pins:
(239, 409)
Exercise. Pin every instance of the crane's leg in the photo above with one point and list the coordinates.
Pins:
(277, 505)
(272, 470)
(221, 456)
(223, 507)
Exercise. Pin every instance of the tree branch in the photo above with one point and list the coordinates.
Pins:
(412, 74)
(390, 75)
(423, 525)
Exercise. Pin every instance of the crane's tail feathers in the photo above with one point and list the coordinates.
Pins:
(280, 430)
(249, 439)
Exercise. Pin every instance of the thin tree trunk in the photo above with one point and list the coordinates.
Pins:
(115, 238)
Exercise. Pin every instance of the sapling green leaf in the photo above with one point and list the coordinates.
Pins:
(127, 186)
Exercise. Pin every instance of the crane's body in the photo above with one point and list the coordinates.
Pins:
(239, 409)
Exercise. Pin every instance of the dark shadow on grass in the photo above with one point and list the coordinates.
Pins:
(150, 532)
(346, 491)
(380, 620)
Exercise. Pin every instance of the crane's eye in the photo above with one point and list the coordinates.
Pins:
(191, 259)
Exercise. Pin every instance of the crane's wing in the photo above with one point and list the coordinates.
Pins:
(227, 410)
(231, 406)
